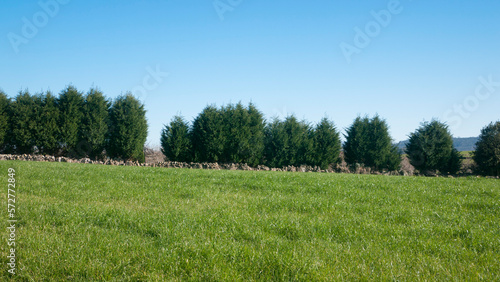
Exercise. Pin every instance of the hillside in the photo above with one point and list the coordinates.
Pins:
(462, 144)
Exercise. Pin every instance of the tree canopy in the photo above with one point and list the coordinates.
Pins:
(430, 148)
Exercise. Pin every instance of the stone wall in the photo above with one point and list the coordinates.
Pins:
(406, 168)
(167, 164)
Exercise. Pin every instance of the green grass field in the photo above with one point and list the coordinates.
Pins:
(91, 222)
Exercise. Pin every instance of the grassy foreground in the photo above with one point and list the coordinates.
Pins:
(91, 222)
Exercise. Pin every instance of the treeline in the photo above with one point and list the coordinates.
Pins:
(235, 133)
(73, 125)
(78, 125)
(239, 134)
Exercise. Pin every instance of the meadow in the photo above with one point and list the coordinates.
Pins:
(92, 222)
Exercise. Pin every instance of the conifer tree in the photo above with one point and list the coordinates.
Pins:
(175, 142)
(243, 133)
(356, 145)
(47, 120)
(236, 132)
(94, 126)
(487, 153)
(128, 129)
(255, 152)
(288, 142)
(4, 120)
(326, 144)
(23, 123)
(70, 103)
(275, 140)
(430, 148)
(207, 136)
(368, 142)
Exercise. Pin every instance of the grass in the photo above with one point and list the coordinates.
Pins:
(91, 222)
(467, 154)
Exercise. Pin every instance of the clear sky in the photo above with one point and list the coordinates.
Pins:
(408, 61)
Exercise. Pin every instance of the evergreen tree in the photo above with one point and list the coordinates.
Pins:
(300, 143)
(430, 148)
(393, 161)
(288, 143)
(70, 104)
(175, 142)
(4, 120)
(243, 133)
(129, 129)
(487, 153)
(368, 142)
(275, 141)
(382, 154)
(47, 130)
(357, 142)
(255, 152)
(326, 144)
(24, 123)
(208, 136)
(236, 132)
(94, 126)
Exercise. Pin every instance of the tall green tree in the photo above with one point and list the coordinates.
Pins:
(368, 142)
(128, 129)
(487, 153)
(207, 136)
(274, 140)
(24, 123)
(236, 132)
(70, 104)
(356, 145)
(327, 144)
(288, 142)
(4, 120)
(47, 129)
(94, 127)
(254, 154)
(243, 132)
(175, 142)
(382, 153)
(430, 148)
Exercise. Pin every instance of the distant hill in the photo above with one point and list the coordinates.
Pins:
(462, 144)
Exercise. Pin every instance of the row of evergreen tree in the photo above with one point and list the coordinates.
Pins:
(239, 134)
(90, 125)
(235, 133)
(73, 125)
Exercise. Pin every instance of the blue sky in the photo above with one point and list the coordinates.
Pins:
(415, 61)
